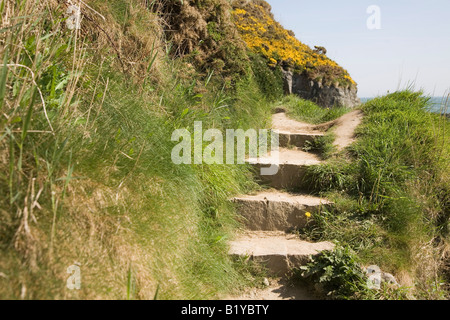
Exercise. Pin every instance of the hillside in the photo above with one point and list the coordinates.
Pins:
(264, 35)
(92, 205)
(87, 182)
(309, 73)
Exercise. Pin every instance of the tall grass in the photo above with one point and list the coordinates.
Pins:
(398, 183)
(308, 111)
(86, 171)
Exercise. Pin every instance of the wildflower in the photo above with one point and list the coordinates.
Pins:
(308, 215)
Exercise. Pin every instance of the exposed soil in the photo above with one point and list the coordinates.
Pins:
(343, 128)
(278, 289)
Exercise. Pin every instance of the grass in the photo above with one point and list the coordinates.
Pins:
(308, 111)
(86, 177)
(86, 174)
(392, 197)
(323, 145)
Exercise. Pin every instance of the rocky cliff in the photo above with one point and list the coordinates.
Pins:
(324, 95)
(307, 72)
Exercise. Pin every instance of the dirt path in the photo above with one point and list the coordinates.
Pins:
(281, 122)
(278, 289)
(343, 128)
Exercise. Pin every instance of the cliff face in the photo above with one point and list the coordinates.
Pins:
(324, 95)
(307, 72)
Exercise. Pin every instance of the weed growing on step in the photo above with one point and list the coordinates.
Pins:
(322, 145)
(339, 274)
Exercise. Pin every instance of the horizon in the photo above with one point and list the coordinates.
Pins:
(410, 50)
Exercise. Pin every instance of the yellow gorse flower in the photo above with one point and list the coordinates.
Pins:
(264, 35)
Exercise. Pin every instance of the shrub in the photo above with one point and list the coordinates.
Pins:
(269, 81)
(265, 36)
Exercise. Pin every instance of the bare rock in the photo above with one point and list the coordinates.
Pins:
(324, 96)
(376, 277)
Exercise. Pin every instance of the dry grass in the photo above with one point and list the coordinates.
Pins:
(52, 222)
(86, 176)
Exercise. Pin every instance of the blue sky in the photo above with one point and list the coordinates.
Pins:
(412, 46)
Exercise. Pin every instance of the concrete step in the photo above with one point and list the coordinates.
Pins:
(298, 140)
(292, 165)
(292, 132)
(277, 251)
(277, 211)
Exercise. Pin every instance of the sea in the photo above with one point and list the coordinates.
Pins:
(437, 104)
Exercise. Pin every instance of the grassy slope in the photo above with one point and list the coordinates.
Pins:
(109, 197)
(392, 196)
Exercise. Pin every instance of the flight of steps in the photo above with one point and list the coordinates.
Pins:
(270, 216)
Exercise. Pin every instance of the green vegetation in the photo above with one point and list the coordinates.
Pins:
(86, 177)
(269, 81)
(307, 111)
(322, 145)
(338, 273)
(86, 171)
(266, 37)
(391, 193)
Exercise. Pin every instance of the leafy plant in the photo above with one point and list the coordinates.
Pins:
(339, 274)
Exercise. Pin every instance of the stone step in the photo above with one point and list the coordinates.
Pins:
(291, 164)
(277, 251)
(293, 132)
(277, 211)
(299, 140)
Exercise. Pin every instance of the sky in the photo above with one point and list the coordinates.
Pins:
(411, 48)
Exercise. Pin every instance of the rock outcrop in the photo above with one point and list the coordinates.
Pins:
(302, 66)
(324, 95)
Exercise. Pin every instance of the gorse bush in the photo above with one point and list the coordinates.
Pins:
(264, 36)
(270, 81)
